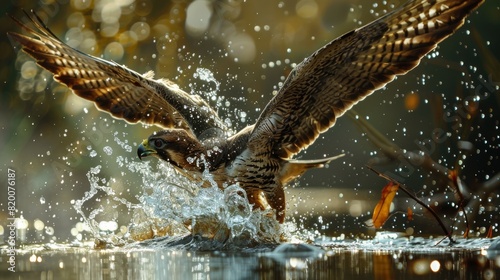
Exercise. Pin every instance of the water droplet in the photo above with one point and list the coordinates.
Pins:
(49, 230)
(38, 225)
(108, 150)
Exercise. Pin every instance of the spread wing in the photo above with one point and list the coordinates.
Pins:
(122, 92)
(351, 67)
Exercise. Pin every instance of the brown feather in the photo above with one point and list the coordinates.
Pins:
(345, 71)
(116, 89)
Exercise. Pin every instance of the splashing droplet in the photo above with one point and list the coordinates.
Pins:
(108, 150)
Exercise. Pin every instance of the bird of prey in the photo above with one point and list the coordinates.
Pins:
(259, 157)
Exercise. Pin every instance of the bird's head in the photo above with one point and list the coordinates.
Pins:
(175, 146)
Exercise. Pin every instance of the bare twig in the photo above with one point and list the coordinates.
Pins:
(418, 200)
(423, 160)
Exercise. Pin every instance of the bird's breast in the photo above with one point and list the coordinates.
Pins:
(252, 171)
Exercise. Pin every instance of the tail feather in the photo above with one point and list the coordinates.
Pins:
(294, 168)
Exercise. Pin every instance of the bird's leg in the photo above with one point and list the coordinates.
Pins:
(275, 199)
(277, 202)
(255, 198)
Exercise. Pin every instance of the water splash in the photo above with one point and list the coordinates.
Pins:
(224, 216)
(209, 88)
(171, 205)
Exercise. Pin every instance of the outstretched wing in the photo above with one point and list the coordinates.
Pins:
(116, 89)
(345, 71)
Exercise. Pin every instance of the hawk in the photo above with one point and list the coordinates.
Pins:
(259, 158)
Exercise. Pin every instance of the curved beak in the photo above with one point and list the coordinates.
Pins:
(144, 149)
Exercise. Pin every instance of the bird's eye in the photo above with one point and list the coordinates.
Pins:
(158, 143)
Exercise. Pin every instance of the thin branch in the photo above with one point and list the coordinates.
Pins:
(405, 189)
(423, 160)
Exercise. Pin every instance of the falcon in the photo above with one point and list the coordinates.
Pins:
(259, 158)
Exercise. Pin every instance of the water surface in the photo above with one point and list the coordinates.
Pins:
(379, 258)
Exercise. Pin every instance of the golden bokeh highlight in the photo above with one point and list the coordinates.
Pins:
(412, 101)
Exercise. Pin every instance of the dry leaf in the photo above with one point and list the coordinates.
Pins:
(490, 232)
(410, 214)
(466, 233)
(453, 176)
(381, 212)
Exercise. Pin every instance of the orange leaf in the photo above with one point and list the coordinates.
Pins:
(490, 232)
(410, 214)
(453, 175)
(381, 212)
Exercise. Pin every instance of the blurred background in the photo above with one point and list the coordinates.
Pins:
(235, 54)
